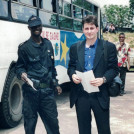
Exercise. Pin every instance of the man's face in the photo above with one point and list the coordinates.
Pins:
(122, 38)
(36, 30)
(90, 31)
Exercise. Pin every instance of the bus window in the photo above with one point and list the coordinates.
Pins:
(77, 12)
(60, 7)
(67, 9)
(29, 2)
(49, 5)
(87, 13)
(77, 25)
(65, 22)
(95, 10)
(48, 18)
(78, 2)
(3, 8)
(69, 1)
(87, 6)
(21, 12)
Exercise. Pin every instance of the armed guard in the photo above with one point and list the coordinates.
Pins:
(36, 63)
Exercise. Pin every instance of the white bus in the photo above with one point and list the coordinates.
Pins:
(61, 24)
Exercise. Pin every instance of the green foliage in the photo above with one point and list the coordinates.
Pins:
(131, 2)
(118, 15)
(131, 6)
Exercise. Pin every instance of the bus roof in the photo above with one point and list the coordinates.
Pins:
(95, 2)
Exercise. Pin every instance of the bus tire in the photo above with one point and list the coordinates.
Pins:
(11, 104)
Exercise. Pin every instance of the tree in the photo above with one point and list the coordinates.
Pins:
(118, 15)
(131, 2)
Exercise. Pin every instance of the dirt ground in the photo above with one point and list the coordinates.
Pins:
(114, 38)
(121, 114)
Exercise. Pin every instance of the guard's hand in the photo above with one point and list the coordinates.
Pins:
(24, 77)
(76, 79)
(96, 82)
(59, 90)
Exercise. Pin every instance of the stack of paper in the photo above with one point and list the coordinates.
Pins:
(86, 78)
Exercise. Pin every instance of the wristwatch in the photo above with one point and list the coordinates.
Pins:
(104, 80)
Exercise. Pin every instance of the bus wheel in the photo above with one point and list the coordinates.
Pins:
(11, 105)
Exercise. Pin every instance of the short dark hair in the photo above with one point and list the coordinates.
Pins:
(121, 34)
(92, 19)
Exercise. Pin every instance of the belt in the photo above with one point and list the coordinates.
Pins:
(43, 85)
(38, 84)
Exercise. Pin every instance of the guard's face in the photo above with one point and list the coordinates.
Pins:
(36, 30)
(90, 31)
(121, 38)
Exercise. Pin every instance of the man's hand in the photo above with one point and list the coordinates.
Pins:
(128, 62)
(128, 66)
(97, 82)
(24, 77)
(76, 79)
(59, 90)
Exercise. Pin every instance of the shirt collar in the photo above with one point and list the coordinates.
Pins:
(35, 44)
(94, 45)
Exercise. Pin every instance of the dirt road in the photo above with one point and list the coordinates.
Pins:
(122, 114)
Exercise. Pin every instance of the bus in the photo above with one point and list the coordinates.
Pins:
(62, 25)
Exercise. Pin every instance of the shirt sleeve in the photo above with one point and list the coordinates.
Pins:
(128, 52)
(53, 69)
(72, 61)
(112, 63)
(21, 63)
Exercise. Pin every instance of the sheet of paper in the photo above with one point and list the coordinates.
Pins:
(31, 84)
(86, 78)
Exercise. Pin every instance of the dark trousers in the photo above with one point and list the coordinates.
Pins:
(41, 102)
(122, 71)
(85, 103)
